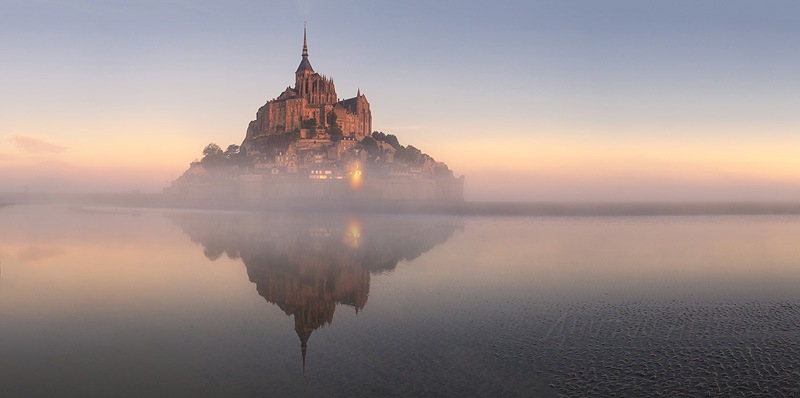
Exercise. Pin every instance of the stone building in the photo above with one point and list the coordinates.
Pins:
(293, 152)
(313, 97)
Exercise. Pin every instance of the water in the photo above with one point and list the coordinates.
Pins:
(100, 302)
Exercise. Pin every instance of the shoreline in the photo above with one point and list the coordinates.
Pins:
(454, 208)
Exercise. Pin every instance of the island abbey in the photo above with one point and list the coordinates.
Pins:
(311, 103)
(309, 144)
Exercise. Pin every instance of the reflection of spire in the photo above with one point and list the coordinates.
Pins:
(303, 334)
(309, 315)
(309, 265)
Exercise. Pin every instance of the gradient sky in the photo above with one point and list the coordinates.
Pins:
(531, 100)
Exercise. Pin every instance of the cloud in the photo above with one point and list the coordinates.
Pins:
(6, 156)
(36, 145)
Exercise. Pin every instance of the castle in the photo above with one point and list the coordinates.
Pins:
(307, 144)
(311, 104)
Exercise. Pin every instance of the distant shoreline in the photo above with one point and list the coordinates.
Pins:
(465, 208)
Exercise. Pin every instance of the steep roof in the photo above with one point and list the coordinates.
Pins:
(286, 94)
(349, 104)
(304, 64)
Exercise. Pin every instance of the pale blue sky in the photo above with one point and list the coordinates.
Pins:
(442, 75)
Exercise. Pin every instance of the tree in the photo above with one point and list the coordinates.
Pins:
(378, 136)
(234, 156)
(392, 140)
(332, 119)
(334, 129)
(371, 146)
(212, 149)
(413, 154)
(232, 150)
(213, 155)
(409, 155)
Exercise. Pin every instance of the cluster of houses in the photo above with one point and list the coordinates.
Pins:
(322, 158)
(317, 158)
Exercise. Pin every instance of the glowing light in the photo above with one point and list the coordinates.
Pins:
(352, 236)
(356, 177)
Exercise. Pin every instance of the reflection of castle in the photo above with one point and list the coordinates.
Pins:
(309, 265)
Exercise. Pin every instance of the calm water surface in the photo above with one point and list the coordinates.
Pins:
(127, 303)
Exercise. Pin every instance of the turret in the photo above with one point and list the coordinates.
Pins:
(316, 89)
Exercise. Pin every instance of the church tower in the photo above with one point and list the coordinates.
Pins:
(310, 85)
(313, 97)
(305, 68)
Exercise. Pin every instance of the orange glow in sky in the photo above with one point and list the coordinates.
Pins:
(690, 105)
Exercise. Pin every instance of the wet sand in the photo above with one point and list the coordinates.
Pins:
(660, 348)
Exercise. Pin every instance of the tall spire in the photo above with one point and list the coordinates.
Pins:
(305, 65)
(305, 41)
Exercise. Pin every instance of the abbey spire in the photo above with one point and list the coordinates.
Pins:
(305, 41)
(305, 65)
(311, 104)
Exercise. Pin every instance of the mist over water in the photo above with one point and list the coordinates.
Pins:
(101, 301)
(310, 250)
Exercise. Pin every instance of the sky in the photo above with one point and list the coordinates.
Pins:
(561, 100)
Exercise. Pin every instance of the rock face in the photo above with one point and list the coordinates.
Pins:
(313, 98)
